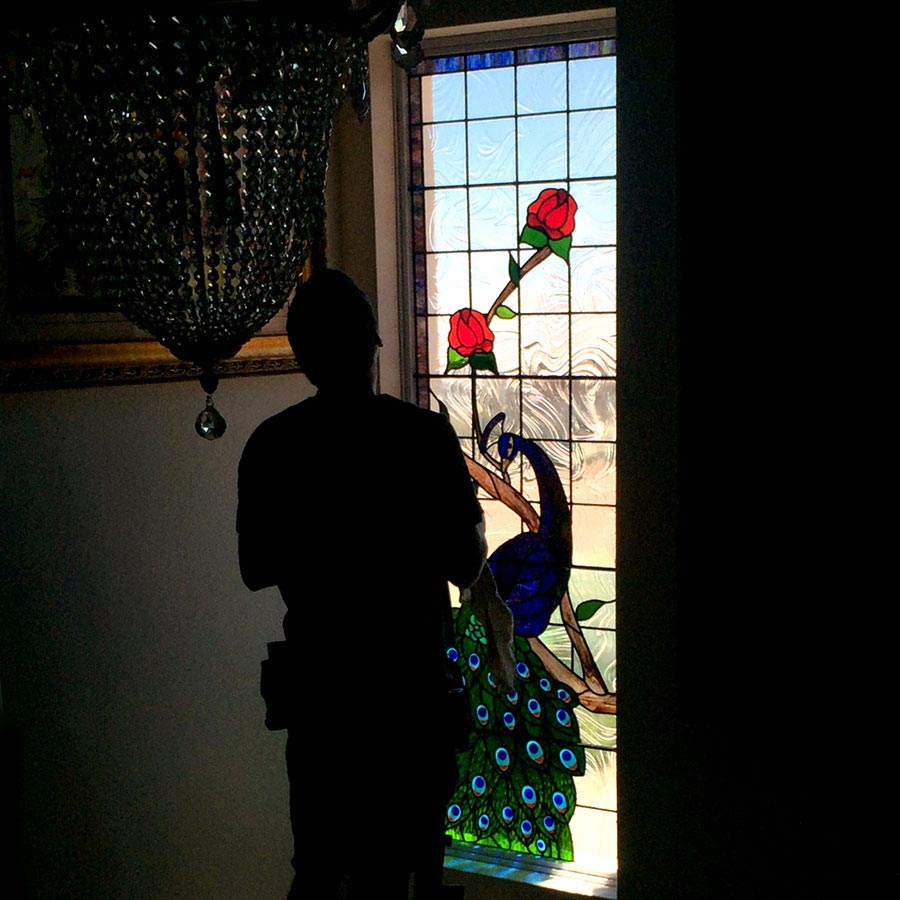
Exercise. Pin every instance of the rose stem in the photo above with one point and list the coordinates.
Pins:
(535, 259)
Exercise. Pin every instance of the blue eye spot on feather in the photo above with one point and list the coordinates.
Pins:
(564, 695)
(529, 796)
(541, 845)
(474, 661)
(452, 654)
(544, 684)
(482, 714)
(522, 670)
(535, 751)
(559, 801)
(513, 697)
(563, 718)
(534, 708)
(491, 681)
(453, 812)
(507, 814)
(502, 757)
(509, 720)
(479, 785)
(526, 828)
(567, 758)
(484, 822)
(550, 824)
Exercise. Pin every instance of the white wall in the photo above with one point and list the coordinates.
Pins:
(130, 648)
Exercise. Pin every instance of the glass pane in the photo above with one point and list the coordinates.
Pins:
(593, 536)
(599, 788)
(593, 279)
(595, 584)
(492, 92)
(592, 143)
(594, 344)
(545, 408)
(595, 830)
(545, 344)
(492, 151)
(592, 83)
(546, 287)
(594, 409)
(595, 221)
(559, 454)
(448, 282)
(490, 274)
(593, 472)
(445, 161)
(542, 147)
(500, 523)
(542, 87)
(490, 59)
(444, 97)
(446, 216)
(456, 394)
(493, 222)
(597, 729)
(602, 645)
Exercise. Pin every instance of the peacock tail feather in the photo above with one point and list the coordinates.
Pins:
(516, 789)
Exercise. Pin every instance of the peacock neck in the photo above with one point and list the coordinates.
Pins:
(556, 519)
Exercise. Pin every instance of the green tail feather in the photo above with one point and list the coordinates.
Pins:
(516, 789)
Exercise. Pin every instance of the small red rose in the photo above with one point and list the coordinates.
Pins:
(553, 213)
(470, 333)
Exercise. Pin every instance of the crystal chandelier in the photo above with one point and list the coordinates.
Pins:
(187, 157)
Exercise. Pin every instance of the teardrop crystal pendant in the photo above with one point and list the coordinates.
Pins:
(210, 424)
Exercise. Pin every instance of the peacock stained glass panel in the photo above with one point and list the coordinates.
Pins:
(513, 198)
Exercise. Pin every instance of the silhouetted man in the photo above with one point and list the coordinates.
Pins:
(359, 507)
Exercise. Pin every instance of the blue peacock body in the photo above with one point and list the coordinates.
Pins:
(516, 789)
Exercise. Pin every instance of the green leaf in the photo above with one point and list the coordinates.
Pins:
(442, 409)
(484, 361)
(456, 360)
(533, 236)
(585, 610)
(504, 312)
(514, 274)
(561, 247)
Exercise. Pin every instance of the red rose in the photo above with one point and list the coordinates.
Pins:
(470, 333)
(553, 213)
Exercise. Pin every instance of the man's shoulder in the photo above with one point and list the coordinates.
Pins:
(281, 424)
(409, 415)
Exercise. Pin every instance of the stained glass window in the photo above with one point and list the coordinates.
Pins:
(513, 204)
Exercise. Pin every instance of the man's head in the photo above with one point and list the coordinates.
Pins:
(332, 330)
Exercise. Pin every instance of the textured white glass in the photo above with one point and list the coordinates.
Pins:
(545, 344)
(448, 281)
(593, 536)
(592, 82)
(599, 779)
(593, 344)
(456, 394)
(444, 161)
(595, 220)
(559, 454)
(545, 407)
(493, 217)
(446, 218)
(492, 151)
(443, 97)
(593, 472)
(492, 92)
(594, 833)
(593, 274)
(595, 584)
(593, 409)
(542, 147)
(490, 273)
(541, 87)
(592, 144)
(546, 287)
